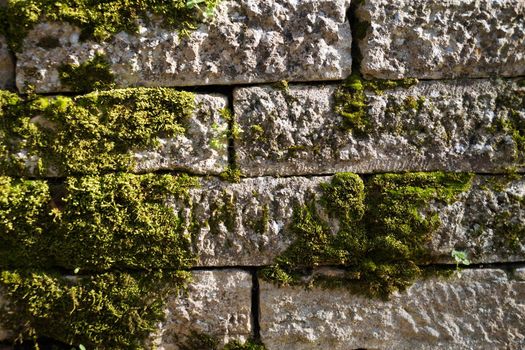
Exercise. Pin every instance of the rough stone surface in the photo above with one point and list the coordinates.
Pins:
(7, 65)
(248, 41)
(202, 149)
(453, 128)
(247, 224)
(243, 224)
(488, 222)
(480, 309)
(217, 304)
(438, 39)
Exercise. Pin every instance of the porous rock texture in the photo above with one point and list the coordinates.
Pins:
(436, 39)
(7, 65)
(247, 41)
(248, 223)
(244, 223)
(202, 149)
(475, 309)
(433, 125)
(216, 304)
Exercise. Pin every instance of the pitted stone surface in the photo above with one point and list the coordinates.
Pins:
(454, 126)
(247, 41)
(437, 39)
(202, 149)
(476, 309)
(243, 224)
(216, 304)
(487, 222)
(248, 223)
(7, 65)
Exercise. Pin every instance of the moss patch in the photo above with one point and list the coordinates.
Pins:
(109, 310)
(384, 225)
(350, 100)
(203, 341)
(87, 134)
(95, 223)
(100, 20)
(94, 74)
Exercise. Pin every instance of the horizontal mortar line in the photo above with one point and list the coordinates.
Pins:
(386, 172)
(224, 88)
(255, 268)
(61, 179)
(472, 78)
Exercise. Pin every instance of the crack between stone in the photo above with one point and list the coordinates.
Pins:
(256, 307)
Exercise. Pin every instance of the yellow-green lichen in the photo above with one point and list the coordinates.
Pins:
(351, 101)
(100, 20)
(95, 223)
(105, 311)
(93, 74)
(384, 225)
(87, 134)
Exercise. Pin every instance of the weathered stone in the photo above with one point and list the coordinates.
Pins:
(243, 224)
(464, 125)
(7, 66)
(487, 222)
(248, 41)
(197, 312)
(217, 304)
(202, 149)
(249, 223)
(437, 39)
(477, 309)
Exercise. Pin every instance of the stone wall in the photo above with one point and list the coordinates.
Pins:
(244, 174)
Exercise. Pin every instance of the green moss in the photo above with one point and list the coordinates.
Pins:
(248, 345)
(95, 223)
(282, 85)
(203, 341)
(384, 226)
(87, 134)
(110, 310)
(510, 121)
(261, 223)
(101, 20)
(200, 341)
(93, 74)
(233, 172)
(223, 212)
(350, 99)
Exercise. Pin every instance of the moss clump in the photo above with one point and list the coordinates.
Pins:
(87, 134)
(110, 310)
(93, 74)
(95, 223)
(384, 226)
(100, 20)
(203, 341)
(350, 99)
(24, 221)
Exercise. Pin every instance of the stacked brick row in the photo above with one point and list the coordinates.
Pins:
(280, 66)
